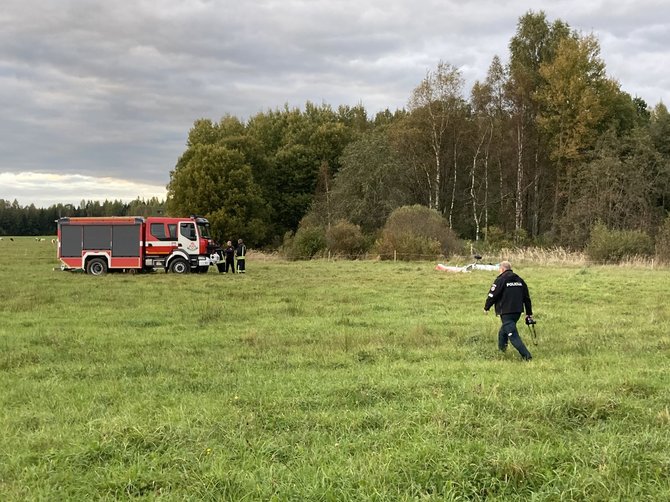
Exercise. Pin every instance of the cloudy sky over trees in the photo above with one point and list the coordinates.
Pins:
(98, 97)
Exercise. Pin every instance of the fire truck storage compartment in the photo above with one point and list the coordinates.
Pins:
(126, 240)
(122, 240)
(70, 238)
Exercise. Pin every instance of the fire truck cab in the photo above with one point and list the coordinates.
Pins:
(98, 245)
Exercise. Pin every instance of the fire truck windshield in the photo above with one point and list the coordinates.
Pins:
(204, 230)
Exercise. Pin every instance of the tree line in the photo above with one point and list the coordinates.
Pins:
(543, 149)
(16, 219)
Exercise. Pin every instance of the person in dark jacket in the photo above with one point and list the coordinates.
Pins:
(229, 256)
(240, 254)
(509, 293)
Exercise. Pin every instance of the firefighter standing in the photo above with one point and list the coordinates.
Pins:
(240, 254)
(229, 257)
(509, 293)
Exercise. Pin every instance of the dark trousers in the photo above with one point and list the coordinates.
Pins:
(240, 265)
(229, 265)
(509, 333)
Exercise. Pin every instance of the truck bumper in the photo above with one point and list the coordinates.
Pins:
(206, 261)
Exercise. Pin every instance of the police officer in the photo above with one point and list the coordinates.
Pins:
(509, 293)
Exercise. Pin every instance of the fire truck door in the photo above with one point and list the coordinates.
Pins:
(160, 242)
(188, 237)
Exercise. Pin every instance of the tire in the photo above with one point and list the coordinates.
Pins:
(179, 266)
(96, 266)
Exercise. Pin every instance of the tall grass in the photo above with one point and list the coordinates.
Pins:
(329, 381)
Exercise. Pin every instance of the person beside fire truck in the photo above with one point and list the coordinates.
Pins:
(229, 258)
(240, 254)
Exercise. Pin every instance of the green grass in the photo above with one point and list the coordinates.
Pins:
(329, 381)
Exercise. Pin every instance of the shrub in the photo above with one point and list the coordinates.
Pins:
(417, 232)
(345, 238)
(305, 244)
(408, 247)
(612, 246)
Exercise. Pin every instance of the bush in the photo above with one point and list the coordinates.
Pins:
(345, 238)
(612, 246)
(417, 232)
(408, 247)
(305, 244)
(663, 242)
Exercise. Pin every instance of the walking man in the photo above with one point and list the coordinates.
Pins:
(509, 293)
(240, 254)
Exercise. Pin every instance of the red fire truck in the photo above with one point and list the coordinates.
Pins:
(96, 245)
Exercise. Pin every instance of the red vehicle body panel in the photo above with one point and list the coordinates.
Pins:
(134, 242)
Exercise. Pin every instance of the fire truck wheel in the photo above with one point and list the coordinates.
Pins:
(179, 266)
(96, 266)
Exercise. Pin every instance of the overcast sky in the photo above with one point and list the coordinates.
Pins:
(97, 97)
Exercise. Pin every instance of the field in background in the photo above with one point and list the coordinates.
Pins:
(329, 380)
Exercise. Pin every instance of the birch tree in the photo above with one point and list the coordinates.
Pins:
(433, 105)
(490, 117)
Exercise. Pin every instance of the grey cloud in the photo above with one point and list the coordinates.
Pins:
(112, 88)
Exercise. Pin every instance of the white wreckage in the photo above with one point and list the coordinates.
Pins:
(467, 268)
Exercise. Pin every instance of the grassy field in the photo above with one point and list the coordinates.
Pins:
(329, 381)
